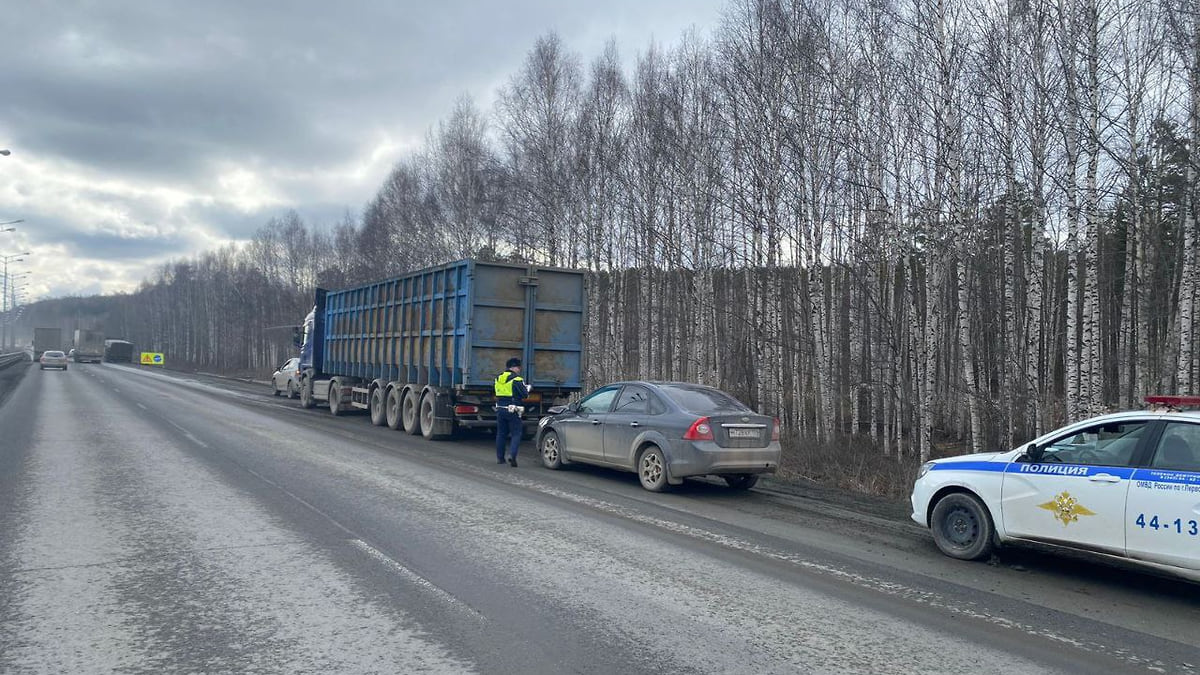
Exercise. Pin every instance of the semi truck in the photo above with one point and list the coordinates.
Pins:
(420, 352)
(118, 351)
(89, 346)
(45, 340)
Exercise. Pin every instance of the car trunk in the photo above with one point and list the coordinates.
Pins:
(741, 430)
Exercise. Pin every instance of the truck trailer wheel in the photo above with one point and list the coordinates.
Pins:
(427, 415)
(411, 408)
(378, 414)
(393, 409)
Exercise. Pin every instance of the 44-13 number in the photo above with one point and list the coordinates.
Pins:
(1180, 525)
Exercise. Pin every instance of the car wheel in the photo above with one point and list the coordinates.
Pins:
(962, 527)
(551, 451)
(392, 409)
(652, 469)
(274, 389)
(410, 409)
(378, 415)
(291, 390)
(741, 481)
(335, 399)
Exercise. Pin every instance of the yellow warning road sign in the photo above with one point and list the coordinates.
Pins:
(152, 358)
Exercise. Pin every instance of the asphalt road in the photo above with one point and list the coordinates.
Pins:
(155, 523)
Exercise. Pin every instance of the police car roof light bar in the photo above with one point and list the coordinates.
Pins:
(1177, 402)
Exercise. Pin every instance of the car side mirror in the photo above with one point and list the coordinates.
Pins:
(1033, 453)
(557, 409)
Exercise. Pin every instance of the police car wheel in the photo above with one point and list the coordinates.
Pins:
(551, 451)
(962, 527)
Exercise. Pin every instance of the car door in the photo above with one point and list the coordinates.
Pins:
(1074, 495)
(1162, 519)
(582, 433)
(629, 418)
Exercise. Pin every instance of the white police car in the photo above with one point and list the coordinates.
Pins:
(1124, 485)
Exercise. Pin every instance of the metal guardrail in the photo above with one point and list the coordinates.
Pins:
(7, 360)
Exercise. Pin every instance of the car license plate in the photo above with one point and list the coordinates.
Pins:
(743, 433)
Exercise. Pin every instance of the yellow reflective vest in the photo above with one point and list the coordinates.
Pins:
(504, 384)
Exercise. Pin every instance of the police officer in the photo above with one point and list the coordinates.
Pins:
(511, 391)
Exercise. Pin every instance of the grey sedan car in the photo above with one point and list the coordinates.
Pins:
(664, 432)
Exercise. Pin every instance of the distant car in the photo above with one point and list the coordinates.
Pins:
(664, 432)
(53, 359)
(71, 355)
(1123, 486)
(287, 378)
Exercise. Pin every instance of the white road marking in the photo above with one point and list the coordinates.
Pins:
(189, 435)
(141, 406)
(375, 553)
(412, 576)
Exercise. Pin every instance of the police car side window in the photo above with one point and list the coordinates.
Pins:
(1178, 448)
(1109, 444)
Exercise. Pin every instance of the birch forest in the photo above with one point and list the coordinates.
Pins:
(901, 222)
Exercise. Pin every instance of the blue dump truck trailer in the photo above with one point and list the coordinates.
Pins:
(421, 351)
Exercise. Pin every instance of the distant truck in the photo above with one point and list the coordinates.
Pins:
(47, 340)
(118, 351)
(421, 351)
(89, 346)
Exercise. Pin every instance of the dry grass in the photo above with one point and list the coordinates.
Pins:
(849, 463)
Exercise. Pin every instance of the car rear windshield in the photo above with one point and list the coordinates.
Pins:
(54, 354)
(702, 399)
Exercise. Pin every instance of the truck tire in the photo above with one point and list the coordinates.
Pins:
(306, 394)
(411, 412)
(393, 409)
(427, 415)
(378, 414)
(335, 399)
(429, 406)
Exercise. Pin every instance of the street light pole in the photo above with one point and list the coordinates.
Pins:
(16, 257)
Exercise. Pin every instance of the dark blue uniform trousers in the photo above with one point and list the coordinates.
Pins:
(508, 433)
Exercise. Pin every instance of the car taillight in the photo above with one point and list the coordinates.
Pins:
(775, 432)
(700, 430)
(466, 410)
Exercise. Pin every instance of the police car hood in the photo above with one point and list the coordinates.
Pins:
(977, 457)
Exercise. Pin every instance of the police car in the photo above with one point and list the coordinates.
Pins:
(1125, 485)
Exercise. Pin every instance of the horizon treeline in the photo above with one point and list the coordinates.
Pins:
(915, 220)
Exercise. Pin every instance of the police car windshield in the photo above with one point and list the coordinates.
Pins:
(702, 399)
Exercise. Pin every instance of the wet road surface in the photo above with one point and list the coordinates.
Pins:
(150, 524)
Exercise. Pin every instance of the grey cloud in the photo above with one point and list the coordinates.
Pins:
(172, 93)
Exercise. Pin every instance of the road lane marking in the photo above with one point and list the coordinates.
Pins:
(189, 435)
(407, 572)
(142, 406)
(375, 553)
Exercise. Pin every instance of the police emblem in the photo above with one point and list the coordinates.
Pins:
(1066, 508)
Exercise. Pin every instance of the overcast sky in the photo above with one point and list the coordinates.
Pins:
(147, 131)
